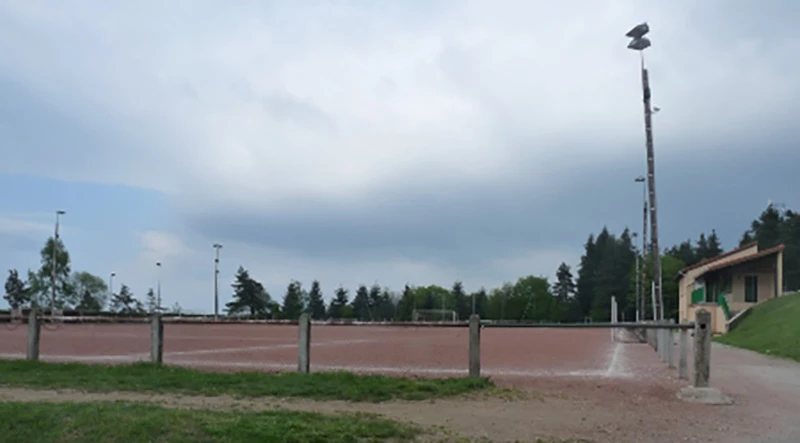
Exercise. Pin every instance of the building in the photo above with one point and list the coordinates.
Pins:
(730, 283)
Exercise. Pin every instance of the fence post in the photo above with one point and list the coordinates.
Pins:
(34, 332)
(683, 349)
(670, 349)
(156, 339)
(702, 348)
(475, 345)
(304, 344)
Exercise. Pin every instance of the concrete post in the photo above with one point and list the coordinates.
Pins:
(34, 332)
(156, 339)
(474, 346)
(683, 349)
(304, 345)
(702, 348)
(670, 348)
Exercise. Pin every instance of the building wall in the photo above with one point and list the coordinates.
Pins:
(686, 284)
(719, 324)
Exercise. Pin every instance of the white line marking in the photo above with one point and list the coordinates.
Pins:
(614, 369)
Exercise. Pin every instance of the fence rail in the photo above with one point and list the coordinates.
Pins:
(660, 335)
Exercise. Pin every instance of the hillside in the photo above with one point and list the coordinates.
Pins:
(772, 328)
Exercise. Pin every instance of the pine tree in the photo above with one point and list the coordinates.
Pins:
(89, 303)
(338, 303)
(17, 293)
(714, 245)
(361, 304)
(248, 295)
(374, 298)
(316, 304)
(150, 300)
(292, 303)
(462, 309)
(125, 303)
(407, 304)
(564, 287)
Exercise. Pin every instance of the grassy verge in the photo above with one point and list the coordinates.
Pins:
(772, 328)
(143, 377)
(131, 423)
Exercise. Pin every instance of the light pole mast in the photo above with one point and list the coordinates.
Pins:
(217, 247)
(639, 43)
(643, 271)
(53, 277)
(158, 290)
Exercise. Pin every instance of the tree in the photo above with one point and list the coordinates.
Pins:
(316, 304)
(564, 290)
(338, 303)
(481, 302)
(407, 304)
(248, 295)
(714, 245)
(17, 293)
(89, 303)
(41, 282)
(125, 302)
(91, 289)
(292, 303)
(463, 310)
(151, 301)
(361, 304)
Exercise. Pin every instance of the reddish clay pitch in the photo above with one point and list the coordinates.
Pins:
(512, 353)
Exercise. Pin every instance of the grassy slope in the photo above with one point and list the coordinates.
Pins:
(131, 423)
(772, 328)
(144, 377)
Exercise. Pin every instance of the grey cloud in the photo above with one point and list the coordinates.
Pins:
(284, 107)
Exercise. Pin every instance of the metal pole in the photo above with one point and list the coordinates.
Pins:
(651, 186)
(111, 283)
(642, 311)
(217, 247)
(473, 302)
(55, 259)
(158, 291)
(638, 289)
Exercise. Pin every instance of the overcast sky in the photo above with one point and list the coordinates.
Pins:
(389, 141)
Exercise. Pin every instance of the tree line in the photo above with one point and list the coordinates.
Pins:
(607, 269)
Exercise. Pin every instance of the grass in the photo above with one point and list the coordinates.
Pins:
(131, 423)
(146, 377)
(772, 328)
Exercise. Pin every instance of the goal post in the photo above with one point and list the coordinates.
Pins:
(434, 315)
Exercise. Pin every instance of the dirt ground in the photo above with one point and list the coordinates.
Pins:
(603, 413)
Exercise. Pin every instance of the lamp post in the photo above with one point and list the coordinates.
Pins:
(158, 290)
(59, 213)
(639, 43)
(217, 247)
(638, 293)
(111, 283)
(640, 305)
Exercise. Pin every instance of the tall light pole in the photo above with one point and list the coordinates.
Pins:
(158, 290)
(217, 247)
(111, 283)
(639, 43)
(640, 305)
(59, 213)
(638, 293)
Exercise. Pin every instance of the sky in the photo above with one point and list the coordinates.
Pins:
(354, 142)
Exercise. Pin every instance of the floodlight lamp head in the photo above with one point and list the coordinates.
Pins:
(638, 31)
(60, 212)
(639, 44)
(639, 179)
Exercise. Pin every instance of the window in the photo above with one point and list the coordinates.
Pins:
(727, 284)
(751, 289)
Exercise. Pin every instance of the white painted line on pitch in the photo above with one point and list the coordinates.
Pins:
(614, 366)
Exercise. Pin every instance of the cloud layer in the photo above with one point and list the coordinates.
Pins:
(422, 141)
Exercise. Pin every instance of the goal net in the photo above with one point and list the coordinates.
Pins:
(434, 315)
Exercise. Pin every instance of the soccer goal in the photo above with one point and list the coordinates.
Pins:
(434, 315)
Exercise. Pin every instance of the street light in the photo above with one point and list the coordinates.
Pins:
(640, 301)
(158, 290)
(639, 43)
(111, 283)
(59, 213)
(217, 247)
